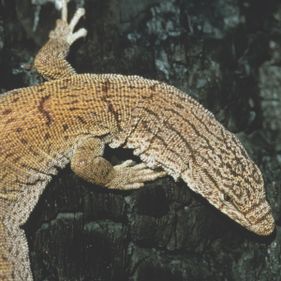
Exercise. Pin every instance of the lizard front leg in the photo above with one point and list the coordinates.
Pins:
(50, 61)
(88, 163)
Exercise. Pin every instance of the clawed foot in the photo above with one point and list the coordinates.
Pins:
(64, 30)
(129, 175)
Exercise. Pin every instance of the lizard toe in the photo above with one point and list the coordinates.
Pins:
(127, 163)
(77, 16)
(72, 37)
(64, 10)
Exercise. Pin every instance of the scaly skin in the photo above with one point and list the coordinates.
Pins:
(72, 117)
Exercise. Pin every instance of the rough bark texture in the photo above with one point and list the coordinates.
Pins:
(229, 53)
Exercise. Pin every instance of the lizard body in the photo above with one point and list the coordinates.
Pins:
(73, 116)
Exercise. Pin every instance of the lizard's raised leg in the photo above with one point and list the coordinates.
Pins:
(50, 61)
(88, 163)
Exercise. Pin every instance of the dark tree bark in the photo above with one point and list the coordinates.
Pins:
(228, 53)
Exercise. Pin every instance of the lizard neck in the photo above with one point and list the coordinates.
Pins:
(167, 130)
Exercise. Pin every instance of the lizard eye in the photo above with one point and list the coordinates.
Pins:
(226, 198)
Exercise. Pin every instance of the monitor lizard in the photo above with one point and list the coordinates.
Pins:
(71, 117)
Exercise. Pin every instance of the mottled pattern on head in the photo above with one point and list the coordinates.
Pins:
(224, 174)
(177, 133)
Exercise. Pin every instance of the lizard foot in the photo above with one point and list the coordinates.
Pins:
(64, 30)
(129, 175)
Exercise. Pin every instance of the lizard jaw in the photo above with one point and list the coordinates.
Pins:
(264, 227)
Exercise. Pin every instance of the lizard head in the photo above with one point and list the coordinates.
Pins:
(225, 175)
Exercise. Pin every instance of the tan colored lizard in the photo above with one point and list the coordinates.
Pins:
(72, 117)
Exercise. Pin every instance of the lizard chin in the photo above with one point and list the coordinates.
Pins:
(264, 227)
(261, 223)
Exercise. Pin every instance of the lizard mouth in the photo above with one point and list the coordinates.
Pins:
(264, 227)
